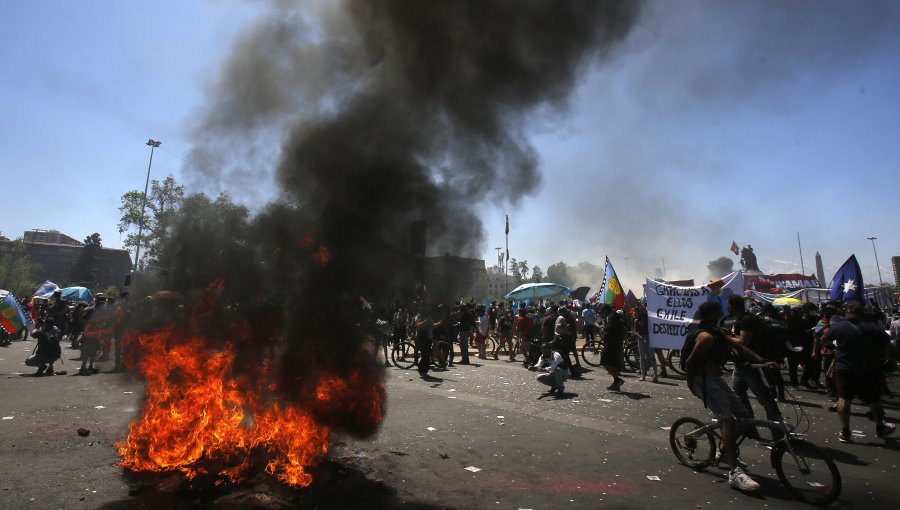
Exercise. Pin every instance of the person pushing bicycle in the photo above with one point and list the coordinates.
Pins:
(704, 376)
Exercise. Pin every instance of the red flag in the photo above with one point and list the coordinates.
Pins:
(734, 247)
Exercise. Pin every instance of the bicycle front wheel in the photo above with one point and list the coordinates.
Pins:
(674, 361)
(632, 356)
(443, 355)
(591, 351)
(809, 474)
(696, 451)
(490, 344)
(404, 355)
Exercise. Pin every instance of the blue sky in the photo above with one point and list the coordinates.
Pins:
(712, 122)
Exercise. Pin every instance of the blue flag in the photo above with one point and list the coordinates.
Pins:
(847, 284)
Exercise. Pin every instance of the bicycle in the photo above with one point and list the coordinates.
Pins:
(593, 349)
(405, 354)
(631, 352)
(804, 469)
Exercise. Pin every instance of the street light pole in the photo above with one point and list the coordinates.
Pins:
(873, 238)
(137, 253)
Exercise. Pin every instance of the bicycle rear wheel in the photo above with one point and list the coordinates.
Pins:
(490, 344)
(674, 361)
(632, 356)
(809, 474)
(590, 352)
(404, 355)
(443, 355)
(695, 452)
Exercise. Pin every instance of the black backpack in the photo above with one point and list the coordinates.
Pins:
(721, 350)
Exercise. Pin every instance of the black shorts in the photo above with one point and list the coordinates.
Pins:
(865, 385)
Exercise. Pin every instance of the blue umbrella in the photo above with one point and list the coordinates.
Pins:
(535, 291)
(77, 294)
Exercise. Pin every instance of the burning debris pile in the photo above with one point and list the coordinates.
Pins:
(420, 120)
(200, 412)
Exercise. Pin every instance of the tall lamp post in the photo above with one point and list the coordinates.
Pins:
(137, 253)
(873, 238)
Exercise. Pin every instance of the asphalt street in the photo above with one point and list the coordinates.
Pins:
(479, 436)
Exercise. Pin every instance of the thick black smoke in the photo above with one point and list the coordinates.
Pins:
(394, 111)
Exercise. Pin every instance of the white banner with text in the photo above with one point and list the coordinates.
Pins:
(670, 309)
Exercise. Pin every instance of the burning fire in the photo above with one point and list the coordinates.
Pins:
(202, 416)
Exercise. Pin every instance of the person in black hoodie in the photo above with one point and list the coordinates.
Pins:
(48, 350)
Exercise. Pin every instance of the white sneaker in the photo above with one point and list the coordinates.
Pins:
(739, 480)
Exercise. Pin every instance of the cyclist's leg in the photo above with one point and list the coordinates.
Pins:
(740, 385)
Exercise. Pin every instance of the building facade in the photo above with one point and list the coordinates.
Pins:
(895, 263)
(53, 254)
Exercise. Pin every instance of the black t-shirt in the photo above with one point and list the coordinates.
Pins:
(757, 329)
(858, 345)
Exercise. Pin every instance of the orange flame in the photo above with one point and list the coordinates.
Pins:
(200, 413)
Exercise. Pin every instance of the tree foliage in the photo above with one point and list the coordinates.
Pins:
(16, 269)
(515, 272)
(522, 268)
(148, 227)
(216, 232)
(86, 267)
(537, 275)
(559, 273)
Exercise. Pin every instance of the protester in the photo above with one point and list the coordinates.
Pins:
(504, 333)
(641, 328)
(423, 324)
(482, 330)
(589, 330)
(524, 327)
(554, 368)
(611, 357)
(704, 376)
(859, 346)
(48, 350)
(97, 329)
(467, 324)
(750, 331)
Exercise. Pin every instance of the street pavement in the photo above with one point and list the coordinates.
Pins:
(479, 436)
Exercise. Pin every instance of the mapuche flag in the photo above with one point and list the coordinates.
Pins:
(847, 284)
(734, 247)
(611, 291)
(12, 318)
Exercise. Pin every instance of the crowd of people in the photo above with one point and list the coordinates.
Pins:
(90, 327)
(846, 349)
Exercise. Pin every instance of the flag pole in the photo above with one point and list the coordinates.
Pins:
(802, 268)
(506, 263)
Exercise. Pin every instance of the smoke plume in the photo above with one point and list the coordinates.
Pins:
(385, 112)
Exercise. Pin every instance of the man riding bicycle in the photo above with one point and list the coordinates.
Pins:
(704, 376)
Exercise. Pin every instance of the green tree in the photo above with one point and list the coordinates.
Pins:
(537, 275)
(216, 232)
(559, 273)
(112, 291)
(522, 267)
(16, 269)
(515, 272)
(153, 222)
(85, 268)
